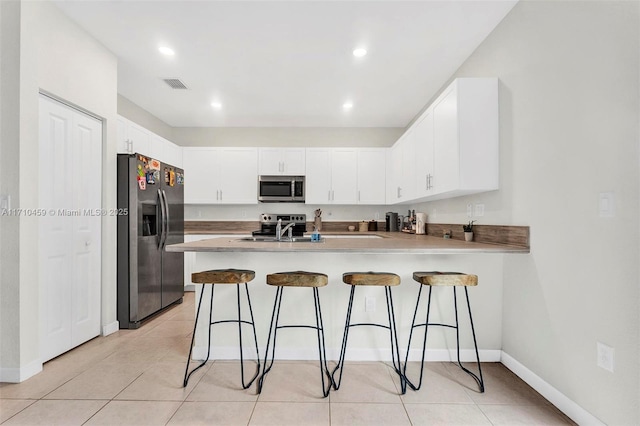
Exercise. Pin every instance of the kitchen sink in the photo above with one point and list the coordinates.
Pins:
(283, 240)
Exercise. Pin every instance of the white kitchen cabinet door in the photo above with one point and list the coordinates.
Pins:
(446, 147)
(270, 161)
(173, 153)
(394, 172)
(424, 154)
(344, 176)
(157, 149)
(371, 175)
(140, 139)
(282, 161)
(69, 257)
(294, 161)
(318, 176)
(238, 176)
(402, 168)
(466, 138)
(201, 175)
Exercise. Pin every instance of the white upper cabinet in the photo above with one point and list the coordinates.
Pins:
(282, 161)
(331, 176)
(220, 175)
(454, 146)
(134, 138)
(371, 175)
(423, 139)
(466, 138)
(401, 170)
(345, 175)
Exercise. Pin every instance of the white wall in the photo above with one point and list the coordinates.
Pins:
(9, 154)
(287, 136)
(58, 57)
(569, 130)
(142, 117)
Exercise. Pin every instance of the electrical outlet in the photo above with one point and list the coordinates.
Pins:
(369, 304)
(606, 357)
(469, 210)
(479, 210)
(244, 213)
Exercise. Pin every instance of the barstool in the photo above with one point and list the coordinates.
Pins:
(449, 279)
(297, 279)
(224, 276)
(387, 280)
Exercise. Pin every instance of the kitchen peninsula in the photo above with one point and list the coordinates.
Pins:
(343, 252)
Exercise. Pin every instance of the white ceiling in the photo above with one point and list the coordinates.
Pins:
(287, 63)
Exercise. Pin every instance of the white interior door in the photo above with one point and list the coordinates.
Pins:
(70, 173)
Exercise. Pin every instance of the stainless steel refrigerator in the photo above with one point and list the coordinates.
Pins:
(149, 278)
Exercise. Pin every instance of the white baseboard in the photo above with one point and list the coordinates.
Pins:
(553, 395)
(17, 375)
(189, 287)
(110, 328)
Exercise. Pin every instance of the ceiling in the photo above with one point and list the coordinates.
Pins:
(287, 63)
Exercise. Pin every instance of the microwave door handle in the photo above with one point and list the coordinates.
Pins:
(293, 189)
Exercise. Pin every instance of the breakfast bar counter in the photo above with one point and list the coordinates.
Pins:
(341, 252)
(369, 242)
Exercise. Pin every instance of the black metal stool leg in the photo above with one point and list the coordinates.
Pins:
(424, 343)
(272, 328)
(395, 357)
(240, 322)
(188, 374)
(343, 350)
(479, 380)
(322, 354)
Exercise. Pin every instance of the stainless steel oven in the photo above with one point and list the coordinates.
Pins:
(281, 189)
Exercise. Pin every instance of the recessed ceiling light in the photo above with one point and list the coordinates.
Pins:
(216, 105)
(359, 52)
(347, 105)
(166, 50)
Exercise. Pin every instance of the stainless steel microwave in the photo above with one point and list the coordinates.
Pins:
(281, 189)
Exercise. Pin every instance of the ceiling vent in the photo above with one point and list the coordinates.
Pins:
(175, 83)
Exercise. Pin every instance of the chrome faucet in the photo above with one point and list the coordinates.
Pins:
(280, 230)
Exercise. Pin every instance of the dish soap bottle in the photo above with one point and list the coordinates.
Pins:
(315, 236)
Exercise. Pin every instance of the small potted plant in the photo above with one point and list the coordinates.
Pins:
(468, 231)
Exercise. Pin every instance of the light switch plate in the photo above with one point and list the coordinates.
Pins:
(606, 357)
(5, 201)
(607, 204)
(479, 210)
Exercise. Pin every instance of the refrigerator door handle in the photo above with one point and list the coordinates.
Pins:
(166, 219)
(162, 219)
(159, 222)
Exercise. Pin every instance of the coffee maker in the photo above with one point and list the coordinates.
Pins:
(391, 222)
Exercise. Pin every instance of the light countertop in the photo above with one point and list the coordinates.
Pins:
(353, 242)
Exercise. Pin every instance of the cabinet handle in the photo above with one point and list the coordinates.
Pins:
(427, 182)
(329, 196)
(399, 192)
(358, 195)
(333, 195)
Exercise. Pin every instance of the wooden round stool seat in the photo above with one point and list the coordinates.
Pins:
(436, 278)
(297, 279)
(386, 279)
(223, 276)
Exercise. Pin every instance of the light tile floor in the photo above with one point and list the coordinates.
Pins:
(134, 377)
